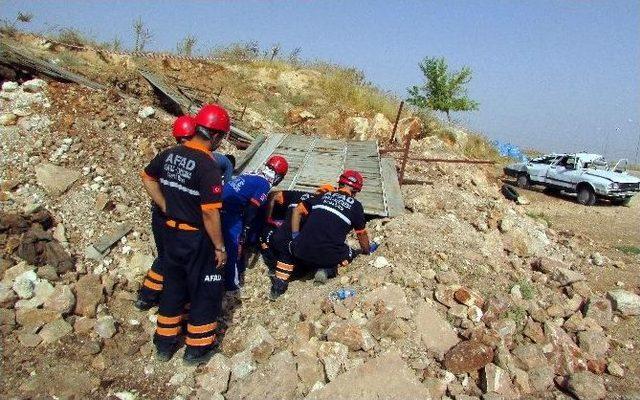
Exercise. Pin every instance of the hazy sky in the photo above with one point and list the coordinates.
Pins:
(555, 75)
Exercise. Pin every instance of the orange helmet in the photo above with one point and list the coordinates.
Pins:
(183, 127)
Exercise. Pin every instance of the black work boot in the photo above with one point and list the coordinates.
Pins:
(165, 353)
(321, 277)
(197, 355)
(143, 304)
(278, 288)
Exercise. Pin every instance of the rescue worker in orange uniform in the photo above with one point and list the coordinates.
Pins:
(320, 244)
(184, 127)
(185, 183)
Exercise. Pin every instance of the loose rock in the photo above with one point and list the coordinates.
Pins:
(625, 302)
(105, 327)
(56, 180)
(586, 386)
(88, 295)
(386, 377)
(55, 330)
(468, 356)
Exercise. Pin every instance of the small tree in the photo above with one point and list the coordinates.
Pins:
(10, 27)
(294, 56)
(443, 90)
(24, 17)
(186, 45)
(116, 44)
(142, 35)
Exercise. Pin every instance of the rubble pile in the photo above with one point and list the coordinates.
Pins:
(467, 297)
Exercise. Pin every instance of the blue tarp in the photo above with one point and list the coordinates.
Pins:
(509, 150)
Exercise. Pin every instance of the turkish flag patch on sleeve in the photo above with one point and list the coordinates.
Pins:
(217, 189)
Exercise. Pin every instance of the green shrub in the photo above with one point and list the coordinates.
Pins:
(633, 250)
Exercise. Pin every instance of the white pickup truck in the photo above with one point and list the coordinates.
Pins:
(587, 175)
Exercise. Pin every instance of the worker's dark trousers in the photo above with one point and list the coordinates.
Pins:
(284, 267)
(268, 255)
(153, 281)
(345, 255)
(190, 274)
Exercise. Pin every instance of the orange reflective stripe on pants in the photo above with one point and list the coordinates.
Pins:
(168, 331)
(155, 276)
(169, 320)
(205, 341)
(201, 328)
(152, 285)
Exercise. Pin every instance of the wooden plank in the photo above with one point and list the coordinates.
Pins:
(266, 149)
(104, 243)
(314, 161)
(15, 57)
(249, 152)
(392, 191)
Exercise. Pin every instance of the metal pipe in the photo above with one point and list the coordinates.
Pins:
(405, 157)
(395, 125)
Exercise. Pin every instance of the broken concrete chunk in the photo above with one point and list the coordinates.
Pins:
(55, 330)
(276, 379)
(586, 386)
(55, 180)
(437, 334)
(385, 377)
(216, 376)
(104, 243)
(88, 291)
(496, 380)
(625, 302)
(146, 112)
(333, 356)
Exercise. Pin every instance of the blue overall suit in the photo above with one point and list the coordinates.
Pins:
(242, 197)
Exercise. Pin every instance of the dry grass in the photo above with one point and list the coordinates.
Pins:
(478, 147)
(346, 87)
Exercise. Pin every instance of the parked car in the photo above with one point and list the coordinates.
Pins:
(587, 175)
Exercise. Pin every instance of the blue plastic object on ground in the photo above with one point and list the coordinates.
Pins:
(373, 246)
(343, 293)
(509, 150)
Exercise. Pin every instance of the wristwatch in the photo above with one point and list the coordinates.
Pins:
(222, 250)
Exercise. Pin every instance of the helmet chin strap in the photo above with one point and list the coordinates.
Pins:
(270, 175)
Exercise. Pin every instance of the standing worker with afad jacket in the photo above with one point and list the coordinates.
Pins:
(185, 183)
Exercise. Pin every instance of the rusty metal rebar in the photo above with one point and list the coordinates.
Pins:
(395, 124)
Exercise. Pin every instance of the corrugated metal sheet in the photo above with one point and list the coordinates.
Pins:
(314, 161)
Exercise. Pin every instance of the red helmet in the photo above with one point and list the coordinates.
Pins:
(353, 179)
(278, 164)
(213, 116)
(183, 127)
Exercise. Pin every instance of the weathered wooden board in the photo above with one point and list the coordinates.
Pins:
(314, 161)
(393, 193)
(15, 57)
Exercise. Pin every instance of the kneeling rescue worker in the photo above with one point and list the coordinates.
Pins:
(276, 249)
(242, 199)
(329, 218)
(184, 181)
